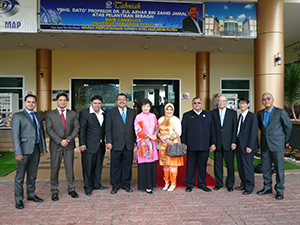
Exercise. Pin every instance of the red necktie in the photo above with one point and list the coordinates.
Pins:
(63, 118)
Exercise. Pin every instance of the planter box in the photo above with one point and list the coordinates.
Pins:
(294, 137)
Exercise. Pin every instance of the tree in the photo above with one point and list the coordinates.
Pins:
(292, 85)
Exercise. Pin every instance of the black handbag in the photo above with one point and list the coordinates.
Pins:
(176, 149)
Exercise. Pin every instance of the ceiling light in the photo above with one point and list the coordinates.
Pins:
(22, 45)
(145, 47)
(104, 46)
(220, 49)
(52, 35)
(99, 36)
(148, 37)
(183, 48)
(193, 38)
(63, 46)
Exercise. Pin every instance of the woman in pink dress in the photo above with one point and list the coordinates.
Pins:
(146, 128)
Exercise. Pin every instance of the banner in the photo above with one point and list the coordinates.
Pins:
(230, 19)
(120, 16)
(19, 16)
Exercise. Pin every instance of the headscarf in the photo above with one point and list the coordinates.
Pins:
(169, 105)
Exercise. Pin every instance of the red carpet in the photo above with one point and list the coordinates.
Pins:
(210, 181)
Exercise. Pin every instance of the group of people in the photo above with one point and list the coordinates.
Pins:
(120, 130)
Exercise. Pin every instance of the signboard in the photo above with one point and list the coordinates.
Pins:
(19, 16)
(230, 19)
(120, 16)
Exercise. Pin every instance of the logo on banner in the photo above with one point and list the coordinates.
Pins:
(9, 8)
(108, 4)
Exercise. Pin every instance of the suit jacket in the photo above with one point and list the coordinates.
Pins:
(198, 132)
(278, 131)
(248, 133)
(91, 132)
(226, 134)
(117, 133)
(188, 25)
(23, 133)
(55, 129)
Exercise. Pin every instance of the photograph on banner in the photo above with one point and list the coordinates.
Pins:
(230, 19)
(18, 16)
(121, 16)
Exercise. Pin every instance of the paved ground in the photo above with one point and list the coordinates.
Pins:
(178, 207)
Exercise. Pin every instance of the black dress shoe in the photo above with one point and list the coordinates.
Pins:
(73, 194)
(128, 189)
(264, 191)
(188, 189)
(279, 195)
(35, 199)
(216, 188)
(88, 193)
(247, 192)
(55, 197)
(114, 191)
(205, 189)
(239, 188)
(19, 205)
(100, 188)
(230, 189)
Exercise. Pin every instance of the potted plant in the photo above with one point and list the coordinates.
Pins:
(44, 113)
(292, 86)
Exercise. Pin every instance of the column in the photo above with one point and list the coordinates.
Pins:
(269, 77)
(202, 78)
(43, 79)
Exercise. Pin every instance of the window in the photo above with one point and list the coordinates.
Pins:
(82, 91)
(13, 84)
(241, 86)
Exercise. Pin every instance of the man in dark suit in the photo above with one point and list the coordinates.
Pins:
(192, 24)
(275, 127)
(247, 146)
(198, 133)
(29, 142)
(62, 126)
(121, 140)
(91, 144)
(225, 126)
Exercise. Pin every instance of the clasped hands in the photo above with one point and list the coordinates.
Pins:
(64, 142)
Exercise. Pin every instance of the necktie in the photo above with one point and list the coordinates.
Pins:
(123, 116)
(35, 127)
(267, 118)
(240, 124)
(63, 119)
(221, 118)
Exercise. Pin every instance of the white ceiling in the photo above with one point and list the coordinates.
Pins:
(152, 43)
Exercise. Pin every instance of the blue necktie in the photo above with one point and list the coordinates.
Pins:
(267, 118)
(35, 127)
(221, 118)
(123, 116)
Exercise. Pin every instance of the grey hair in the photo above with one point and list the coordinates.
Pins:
(222, 95)
(266, 93)
(197, 98)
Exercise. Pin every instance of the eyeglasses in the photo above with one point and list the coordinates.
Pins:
(197, 103)
(121, 99)
(268, 98)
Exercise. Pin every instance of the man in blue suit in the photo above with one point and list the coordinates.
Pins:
(198, 133)
(29, 142)
(275, 127)
(247, 146)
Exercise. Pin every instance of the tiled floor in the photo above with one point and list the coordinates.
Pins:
(177, 207)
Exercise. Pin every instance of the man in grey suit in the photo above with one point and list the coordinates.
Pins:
(275, 127)
(62, 126)
(120, 139)
(29, 142)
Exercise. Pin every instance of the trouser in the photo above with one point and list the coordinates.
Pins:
(29, 164)
(170, 174)
(56, 158)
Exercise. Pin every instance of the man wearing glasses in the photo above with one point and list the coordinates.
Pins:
(275, 127)
(198, 133)
(120, 139)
